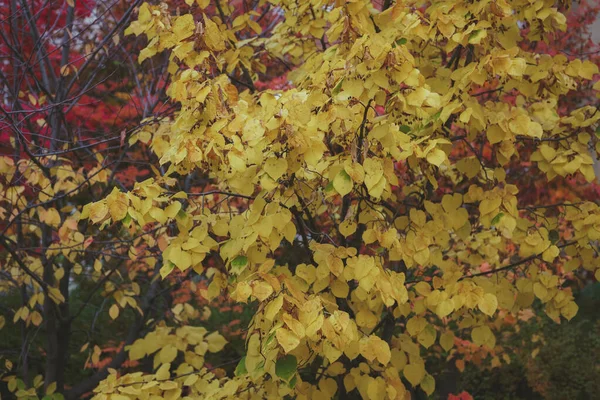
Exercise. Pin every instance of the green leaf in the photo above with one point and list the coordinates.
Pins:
(401, 41)
(293, 382)
(285, 368)
(270, 339)
(343, 183)
(127, 220)
(496, 219)
(404, 128)
(239, 262)
(553, 236)
(241, 367)
(260, 366)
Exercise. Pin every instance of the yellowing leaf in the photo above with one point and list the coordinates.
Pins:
(428, 384)
(342, 183)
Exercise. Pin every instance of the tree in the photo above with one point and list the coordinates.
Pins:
(373, 178)
(71, 96)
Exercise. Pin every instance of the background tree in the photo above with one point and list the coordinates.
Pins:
(71, 96)
(384, 184)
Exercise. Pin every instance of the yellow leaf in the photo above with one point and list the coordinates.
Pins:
(488, 304)
(495, 134)
(162, 374)
(348, 227)
(158, 215)
(98, 211)
(184, 27)
(444, 308)
(373, 173)
(417, 97)
(436, 157)
(117, 205)
(517, 67)
(36, 318)
(447, 341)
(276, 167)
(427, 336)
(373, 348)
(172, 210)
(415, 325)
(273, 308)
(242, 292)
(212, 37)
(51, 388)
(254, 26)
(482, 335)
(414, 373)
(262, 290)
(215, 341)
(588, 69)
(335, 265)
(331, 352)
(570, 310)
(294, 325)
(376, 388)
(56, 295)
(287, 339)
(182, 259)
(114, 311)
(428, 384)
(167, 354)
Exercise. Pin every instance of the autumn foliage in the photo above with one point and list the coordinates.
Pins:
(318, 199)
